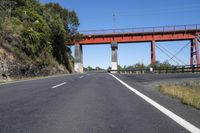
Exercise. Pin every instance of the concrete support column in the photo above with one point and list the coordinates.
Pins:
(78, 63)
(194, 52)
(114, 48)
(153, 52)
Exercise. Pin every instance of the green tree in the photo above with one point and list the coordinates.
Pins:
(165, 65)
(156, 65)
(139, 65)
(119, 67)
(89, 68)
(43, 30)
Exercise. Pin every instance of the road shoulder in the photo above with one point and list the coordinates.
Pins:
(147, 87)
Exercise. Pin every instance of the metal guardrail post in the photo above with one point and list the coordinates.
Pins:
(182, 69)
(167, 70)
(193, 68)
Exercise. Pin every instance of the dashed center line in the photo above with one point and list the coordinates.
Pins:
(81, 77)
(58, 85)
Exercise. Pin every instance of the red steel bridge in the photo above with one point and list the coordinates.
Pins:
(133, 35)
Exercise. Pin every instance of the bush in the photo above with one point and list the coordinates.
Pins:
(41, 31)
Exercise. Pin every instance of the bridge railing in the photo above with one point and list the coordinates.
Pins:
(143, 30)
(176, 69)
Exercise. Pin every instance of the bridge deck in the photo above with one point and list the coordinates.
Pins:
(148, 34)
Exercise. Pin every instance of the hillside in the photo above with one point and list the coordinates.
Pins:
(32, 37)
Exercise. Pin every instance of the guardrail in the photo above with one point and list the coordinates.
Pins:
(176, 69)
(143, 30)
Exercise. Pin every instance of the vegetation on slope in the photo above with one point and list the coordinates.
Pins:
(35, 33)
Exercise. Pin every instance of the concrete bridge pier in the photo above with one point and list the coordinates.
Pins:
(194, 52)
(114, 48)
(78, 63)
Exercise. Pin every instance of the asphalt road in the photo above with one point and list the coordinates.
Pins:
(89, 103)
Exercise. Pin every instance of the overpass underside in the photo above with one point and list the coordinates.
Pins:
(152, 35)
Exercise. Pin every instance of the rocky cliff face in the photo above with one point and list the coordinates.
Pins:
(33, 37)
(13, 68)
(15, 64)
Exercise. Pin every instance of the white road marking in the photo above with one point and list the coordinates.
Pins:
(21, 81)
(167, 112)
(81, 77)
(58, 85)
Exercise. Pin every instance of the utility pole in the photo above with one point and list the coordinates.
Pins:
(114, 22)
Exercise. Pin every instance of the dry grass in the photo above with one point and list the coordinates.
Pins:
(188, 92)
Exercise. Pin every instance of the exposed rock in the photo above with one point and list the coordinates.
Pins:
(15, 64)
(12, 39)
(12, 68)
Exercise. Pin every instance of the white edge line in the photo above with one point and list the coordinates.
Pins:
(167, 112)
(58, 85)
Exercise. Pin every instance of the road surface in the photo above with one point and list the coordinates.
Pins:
(89, 103)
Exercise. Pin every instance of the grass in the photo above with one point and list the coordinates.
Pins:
(188, 92)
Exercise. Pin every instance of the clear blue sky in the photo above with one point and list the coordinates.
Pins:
(97, 14)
